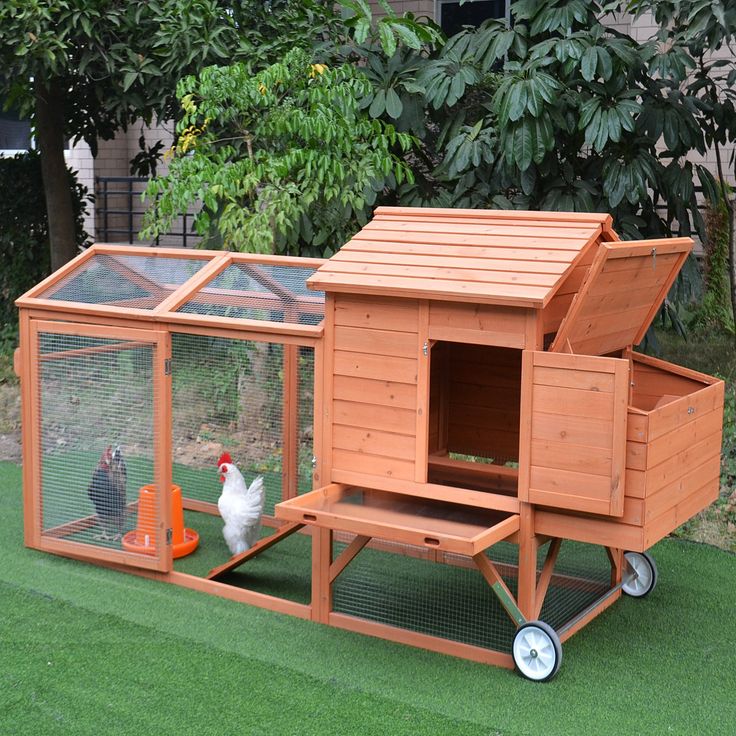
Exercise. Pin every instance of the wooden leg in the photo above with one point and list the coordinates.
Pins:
(528, 546)
(616, 557)
(321, 585)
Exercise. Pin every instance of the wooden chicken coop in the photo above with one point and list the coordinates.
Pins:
(491, 460)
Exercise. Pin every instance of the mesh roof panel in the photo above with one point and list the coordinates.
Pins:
(261, 292)
(134, 281)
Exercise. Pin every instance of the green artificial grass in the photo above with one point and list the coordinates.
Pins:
(85, 650)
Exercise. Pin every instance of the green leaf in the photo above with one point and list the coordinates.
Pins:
(394, 108)
(523, 145)
(128, 80)
(361, 30)
(378, 106)
(457, 88)
(407, 36)
(605, 64)
(588, 64)
(517, 101)
(387, 38)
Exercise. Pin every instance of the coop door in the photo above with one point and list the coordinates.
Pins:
(100, 453)
(573, 432)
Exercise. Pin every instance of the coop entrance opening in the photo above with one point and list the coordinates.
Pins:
(473, 436)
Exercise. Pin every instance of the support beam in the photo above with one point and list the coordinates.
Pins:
(546, 575)
(347, 556)
(505, 597)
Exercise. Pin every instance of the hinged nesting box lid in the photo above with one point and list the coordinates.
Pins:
(510, 258)
(626, 284)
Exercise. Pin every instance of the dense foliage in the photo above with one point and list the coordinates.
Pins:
(84, 70)
(278, 159)
(24, 240)
(555, 110)
(714, 311)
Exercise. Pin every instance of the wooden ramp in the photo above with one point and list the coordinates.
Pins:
(261, 546)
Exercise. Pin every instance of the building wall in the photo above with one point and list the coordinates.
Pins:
(79, 159)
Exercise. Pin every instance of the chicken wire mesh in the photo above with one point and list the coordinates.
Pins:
(401, 585)
(582, 574)
(96, 409)
(228, 396)
(260, 292)
(138, 282)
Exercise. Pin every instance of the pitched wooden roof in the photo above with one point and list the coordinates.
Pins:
(484, 256)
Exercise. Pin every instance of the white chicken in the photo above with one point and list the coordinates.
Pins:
(240, 506)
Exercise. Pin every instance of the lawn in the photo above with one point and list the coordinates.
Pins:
(86, 650)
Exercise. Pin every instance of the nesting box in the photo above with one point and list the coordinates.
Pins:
(450, 408)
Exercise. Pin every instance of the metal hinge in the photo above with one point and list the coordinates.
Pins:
(654, 258)
(425, 348)
(169, 536)
(314, 461)
(167, 367)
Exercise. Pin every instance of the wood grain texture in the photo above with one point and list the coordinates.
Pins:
(573, 440)
(490, 257)
(626, 284)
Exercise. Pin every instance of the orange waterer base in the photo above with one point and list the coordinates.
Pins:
(143, 538)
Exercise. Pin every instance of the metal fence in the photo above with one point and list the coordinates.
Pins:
(119, 211)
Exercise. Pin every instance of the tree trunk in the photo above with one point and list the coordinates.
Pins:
(50, 142)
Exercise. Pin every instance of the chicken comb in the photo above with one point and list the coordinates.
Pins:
(224, 458)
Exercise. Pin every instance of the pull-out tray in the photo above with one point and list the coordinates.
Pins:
(441, 525)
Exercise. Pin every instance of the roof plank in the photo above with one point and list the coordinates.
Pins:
(477, 256)
(422, 259)
(515, 230)
(532, 215)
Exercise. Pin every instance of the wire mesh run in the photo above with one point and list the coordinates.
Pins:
(305, 419)
(135, 282)
(96, 408)
(229, 395)
(260, 292)
(581, 576)
(451, 601)
(400, 586)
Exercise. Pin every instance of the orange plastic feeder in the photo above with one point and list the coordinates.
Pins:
(143, 538)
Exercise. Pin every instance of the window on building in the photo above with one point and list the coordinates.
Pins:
(452, 16)
(15, 133)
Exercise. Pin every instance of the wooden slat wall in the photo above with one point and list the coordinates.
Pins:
(375, 386)
(478, 324)
(484, 398)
